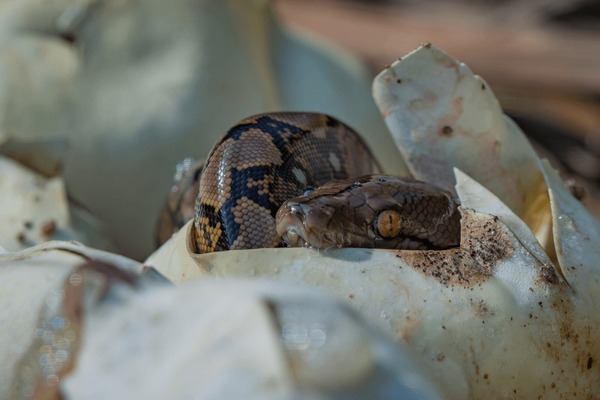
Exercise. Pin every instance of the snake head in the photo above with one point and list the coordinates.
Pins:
(377, 211)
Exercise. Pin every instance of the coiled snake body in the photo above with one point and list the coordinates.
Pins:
(318, 178)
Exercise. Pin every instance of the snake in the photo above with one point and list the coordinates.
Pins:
(301, 179)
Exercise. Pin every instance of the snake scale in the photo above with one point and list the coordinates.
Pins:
(310, 180)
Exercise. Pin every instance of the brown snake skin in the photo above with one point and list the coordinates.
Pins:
(372, 211)
(268, 159)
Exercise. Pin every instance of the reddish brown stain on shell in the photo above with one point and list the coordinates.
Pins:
(53, 351)
(481, 309)
(21, 237)
(573, 347)
(447, 130)
(548, 274)
(48, 228)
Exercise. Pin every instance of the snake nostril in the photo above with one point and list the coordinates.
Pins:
(295, 208)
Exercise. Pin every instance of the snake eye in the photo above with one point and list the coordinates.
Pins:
(387, 224)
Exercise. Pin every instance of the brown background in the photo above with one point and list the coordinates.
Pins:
(541, 57)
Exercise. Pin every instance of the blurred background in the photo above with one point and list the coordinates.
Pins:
(102, 98)
(541, 58)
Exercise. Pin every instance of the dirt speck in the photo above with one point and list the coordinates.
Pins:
(576, 189)
(20, 237)
(480, 308)
(48, 228)
(447, 130)
(548, 274)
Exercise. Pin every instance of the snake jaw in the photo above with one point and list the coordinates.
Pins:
(291, 228)
(300, 225)
(294, 227)
(294, 238)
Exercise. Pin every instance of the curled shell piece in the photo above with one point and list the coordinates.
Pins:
(576, 239)
(442, 116)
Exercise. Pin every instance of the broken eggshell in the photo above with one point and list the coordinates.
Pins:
(234, 340)
(502, 315)
(31, 281)
(442, 116)
(489, 318)
(97, 329)
(35, 209)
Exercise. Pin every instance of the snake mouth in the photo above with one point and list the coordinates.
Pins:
(292, 230)
(298, 229)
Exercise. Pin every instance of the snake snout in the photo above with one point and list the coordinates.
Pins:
(302, 224)
(290, 225)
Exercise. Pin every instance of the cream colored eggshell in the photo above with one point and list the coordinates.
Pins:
(494, 318)
(442, 116)
(35, 209)
(204, 339)
(489, 318)
(28, 279)
(238, 340)
(577, 240)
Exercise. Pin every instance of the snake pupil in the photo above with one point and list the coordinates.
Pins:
(387, 224)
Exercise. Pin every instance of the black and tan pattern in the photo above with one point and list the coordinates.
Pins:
(267, 159)
(263, 161)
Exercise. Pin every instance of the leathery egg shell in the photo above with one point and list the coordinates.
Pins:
(90, 324)
(513, 310)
